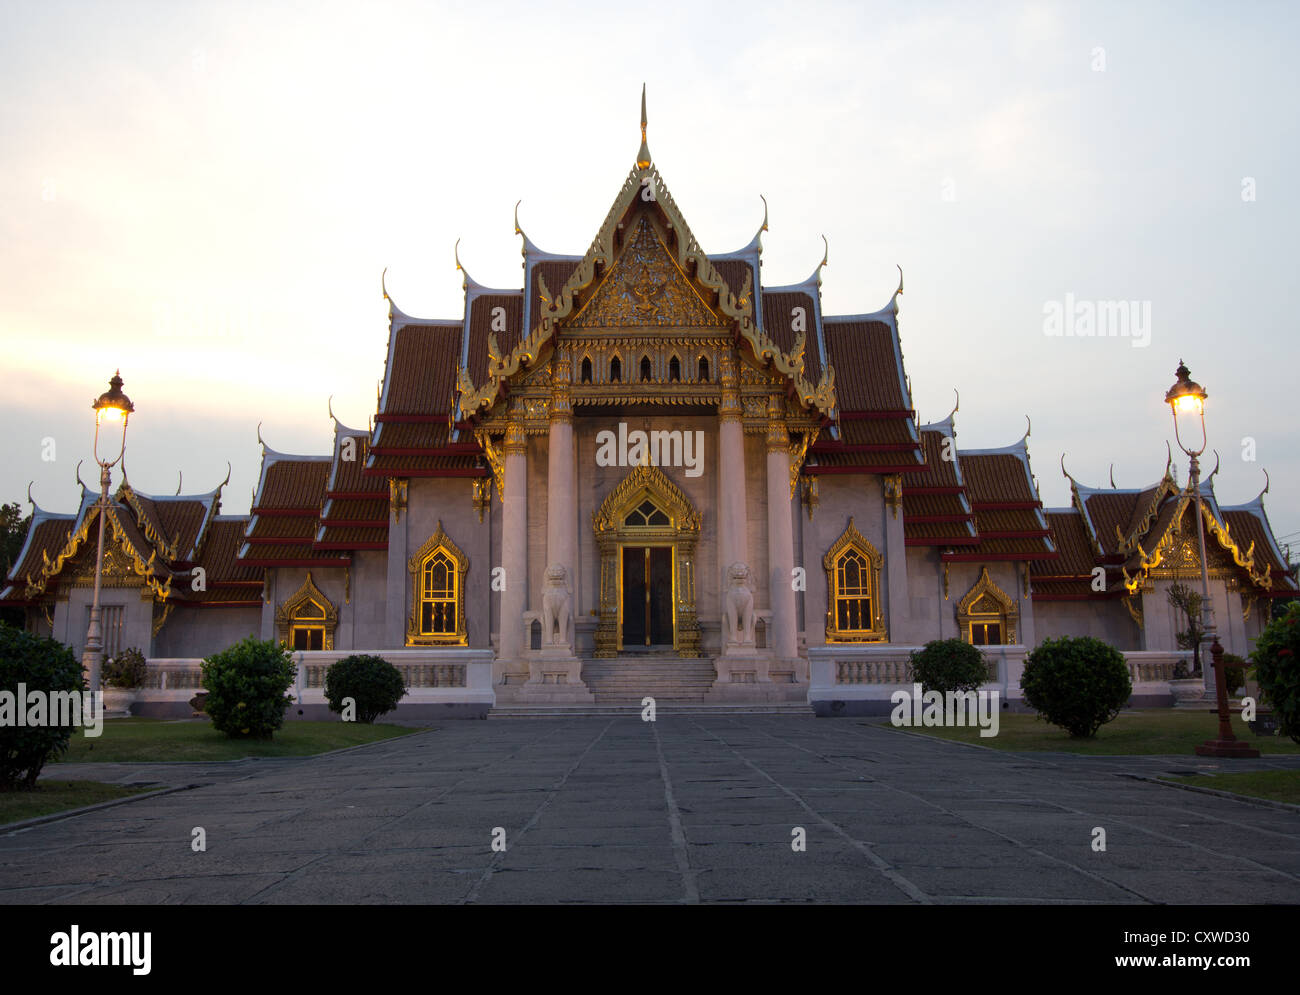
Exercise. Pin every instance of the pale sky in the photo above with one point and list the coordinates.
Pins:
(205, 195)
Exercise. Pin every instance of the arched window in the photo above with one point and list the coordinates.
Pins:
(306, 619)
(645, 368)
(586, 369)
(437, 593)
(854, 613)
(674, 369)
(704, 369)
(646, 514)
(307, 627)
(615, 371)
(987, 616)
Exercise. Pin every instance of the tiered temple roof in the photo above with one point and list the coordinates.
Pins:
(164, 539)
(845, 373)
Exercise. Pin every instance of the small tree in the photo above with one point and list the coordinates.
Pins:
(1277, 669)
(1234, 672)
(126, 670)
(949, 665)
(373, 683)
(1188, 603)
(1079, 683)
(40, 664)
(246, 687)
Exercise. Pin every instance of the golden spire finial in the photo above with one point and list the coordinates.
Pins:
(643, 155)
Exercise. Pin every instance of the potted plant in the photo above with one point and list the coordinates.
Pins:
(123, 676)
(1186, 689)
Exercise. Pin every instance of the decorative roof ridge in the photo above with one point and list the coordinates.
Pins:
(531, 250)
(886, 315)
(339, 427)
(1256, 508)
(232, 518)
(409, 322)
(939, 426)
(39, 515)
(689, 255)
(1213, 527)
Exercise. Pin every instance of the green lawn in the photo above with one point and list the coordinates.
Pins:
(1133, 733)
(153, 740)
(1277, 785)
(55, 796)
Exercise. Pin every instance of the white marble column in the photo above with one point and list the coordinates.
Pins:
(732, 543)
(561, 500)
(784, 638)
(514, 547)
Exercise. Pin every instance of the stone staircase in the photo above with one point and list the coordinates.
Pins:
(626, 680)
(678, 685)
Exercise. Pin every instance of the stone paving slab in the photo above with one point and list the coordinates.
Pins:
(687, 809)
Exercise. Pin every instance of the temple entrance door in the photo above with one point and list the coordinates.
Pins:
(646, 531)
(647, 601)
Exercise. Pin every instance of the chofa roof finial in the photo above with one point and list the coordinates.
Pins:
(643, 153)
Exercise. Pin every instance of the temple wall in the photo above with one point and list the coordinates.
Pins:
(839, 498)
(72, 617)
(1106, 620)
(364, 618)
(450, 500)
(930, 615)
(200, 632)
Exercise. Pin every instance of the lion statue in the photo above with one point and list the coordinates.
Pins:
(738, 606)
(555, 607)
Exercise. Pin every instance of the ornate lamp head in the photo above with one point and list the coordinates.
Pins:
(1186, 400)
(112, 411)
(113, 406)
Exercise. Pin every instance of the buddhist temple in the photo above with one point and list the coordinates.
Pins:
(644, 472)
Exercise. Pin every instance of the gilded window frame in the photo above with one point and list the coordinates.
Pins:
(438, 542)
(852, 539)
(1009, 615)
(288, 609)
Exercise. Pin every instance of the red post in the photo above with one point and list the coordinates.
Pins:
(1227, 745)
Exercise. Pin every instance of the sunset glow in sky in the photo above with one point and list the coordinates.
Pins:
(205, 195)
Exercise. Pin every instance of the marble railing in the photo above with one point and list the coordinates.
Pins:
(431, 668)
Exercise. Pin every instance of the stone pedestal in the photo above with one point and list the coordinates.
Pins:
(744, 677)
(555, 676)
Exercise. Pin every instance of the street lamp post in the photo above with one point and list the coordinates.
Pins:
(112, 409)
(1186, 399)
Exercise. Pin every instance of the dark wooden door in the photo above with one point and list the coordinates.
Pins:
(647, 596)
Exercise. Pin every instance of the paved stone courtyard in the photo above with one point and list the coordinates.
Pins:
(682, 810)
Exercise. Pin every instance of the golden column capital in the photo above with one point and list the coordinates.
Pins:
(515, 442)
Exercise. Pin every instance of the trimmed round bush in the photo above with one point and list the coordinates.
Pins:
(949, 665)
(1077, 683)
(1277, 669)
(246, 687)
(126, 670)
(371, 681)
(40, 664)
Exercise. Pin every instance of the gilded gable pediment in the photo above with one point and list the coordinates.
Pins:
(645, 287)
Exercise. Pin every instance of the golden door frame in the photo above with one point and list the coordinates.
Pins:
(681, 534)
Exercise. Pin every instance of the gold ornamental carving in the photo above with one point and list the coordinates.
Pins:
(646, 287)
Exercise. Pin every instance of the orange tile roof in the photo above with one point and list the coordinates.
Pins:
(778, 320)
